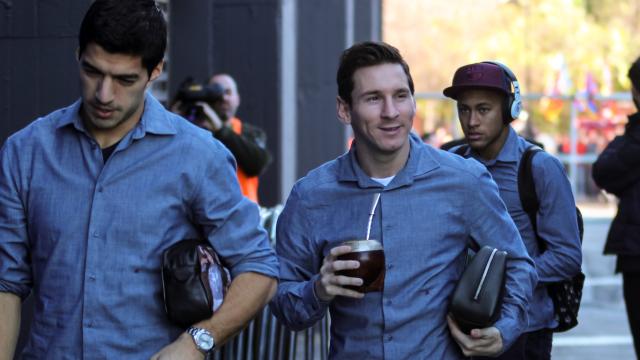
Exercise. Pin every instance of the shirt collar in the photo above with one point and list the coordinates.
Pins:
(154, 118)
(418, 163)
(510, 151)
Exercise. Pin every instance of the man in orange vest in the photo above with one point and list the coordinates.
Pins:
(246, 142)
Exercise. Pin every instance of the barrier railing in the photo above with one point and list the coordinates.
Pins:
(267, 338)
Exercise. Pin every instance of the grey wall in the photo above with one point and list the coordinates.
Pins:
(325, 29)
(321, 39)
(37, 59)
(246, 45)
(190, 42)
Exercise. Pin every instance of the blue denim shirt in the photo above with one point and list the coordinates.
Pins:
(425, 219)
(87, 237)
(556, 220)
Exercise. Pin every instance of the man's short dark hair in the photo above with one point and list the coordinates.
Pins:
(366, 54)
(134, 27)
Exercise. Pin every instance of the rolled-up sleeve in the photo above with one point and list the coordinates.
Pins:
(491, 225)
(15, 268)
(230, 221)
(295, 303)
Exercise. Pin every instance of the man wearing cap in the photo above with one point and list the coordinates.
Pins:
(617, 170)
(488, 99)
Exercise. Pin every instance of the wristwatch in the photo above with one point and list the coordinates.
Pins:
(203, 339)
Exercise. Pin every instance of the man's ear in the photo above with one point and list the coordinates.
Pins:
(155, 73)
(344, 111)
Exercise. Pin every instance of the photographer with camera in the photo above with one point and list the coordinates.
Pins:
(213, 107)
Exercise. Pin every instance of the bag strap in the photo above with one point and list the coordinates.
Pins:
(527, 189)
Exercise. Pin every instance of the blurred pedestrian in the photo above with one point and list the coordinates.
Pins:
(617, 170)
(247, 142)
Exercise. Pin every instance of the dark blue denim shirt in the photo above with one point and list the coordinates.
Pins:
(426, 218)
(87, 237)
(556, 220)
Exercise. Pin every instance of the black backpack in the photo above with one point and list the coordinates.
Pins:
(567, 294)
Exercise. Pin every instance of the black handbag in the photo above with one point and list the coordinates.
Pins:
(194, 282)
(477, 299)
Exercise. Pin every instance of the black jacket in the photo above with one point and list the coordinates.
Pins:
(249, 148)
(617, 170)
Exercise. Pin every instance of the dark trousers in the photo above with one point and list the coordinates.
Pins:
(631, 291)
(535, 345)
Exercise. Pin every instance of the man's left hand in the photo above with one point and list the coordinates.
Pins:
(182, 348)
(480, 342)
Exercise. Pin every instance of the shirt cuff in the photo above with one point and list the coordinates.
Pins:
(311, 298)
(510, 331)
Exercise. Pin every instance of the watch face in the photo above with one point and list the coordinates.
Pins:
(204, 341)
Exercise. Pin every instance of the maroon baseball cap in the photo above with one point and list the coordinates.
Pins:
(478, 75)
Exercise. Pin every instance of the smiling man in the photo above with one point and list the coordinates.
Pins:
(488, 99)
(430, 206)
(92, 194)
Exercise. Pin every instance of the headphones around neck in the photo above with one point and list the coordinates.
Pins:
(513, 106)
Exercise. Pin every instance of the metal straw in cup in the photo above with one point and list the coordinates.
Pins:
(373, 210)
(369, 254)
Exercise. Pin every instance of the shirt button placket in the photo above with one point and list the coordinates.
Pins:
(93, 263)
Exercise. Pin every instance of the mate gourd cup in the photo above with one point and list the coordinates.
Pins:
(370, 254)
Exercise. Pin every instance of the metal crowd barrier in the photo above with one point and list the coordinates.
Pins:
(266, 338)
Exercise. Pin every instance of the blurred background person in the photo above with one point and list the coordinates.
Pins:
(213, 107)
(617, 170)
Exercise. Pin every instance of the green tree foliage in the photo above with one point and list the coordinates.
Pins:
(528, 35)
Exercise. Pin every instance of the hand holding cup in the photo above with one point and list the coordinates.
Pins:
(330, 283)
(354, 267)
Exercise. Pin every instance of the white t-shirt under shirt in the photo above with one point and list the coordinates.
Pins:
(384, 181)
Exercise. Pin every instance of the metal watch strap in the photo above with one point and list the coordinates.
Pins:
(194, 331)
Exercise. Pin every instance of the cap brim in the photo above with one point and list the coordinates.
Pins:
(454, 91)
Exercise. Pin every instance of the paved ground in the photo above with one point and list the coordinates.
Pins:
(603, 331)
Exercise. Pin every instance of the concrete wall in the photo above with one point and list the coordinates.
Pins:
(37, 58)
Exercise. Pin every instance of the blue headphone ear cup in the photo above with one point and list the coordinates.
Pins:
(516, 107)
(516, 104)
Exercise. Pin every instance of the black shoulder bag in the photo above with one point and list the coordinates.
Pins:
(477, 299)
(194, 282)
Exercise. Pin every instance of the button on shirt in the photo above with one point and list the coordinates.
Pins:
(88, 236)
(556, 220)
(425, 219)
